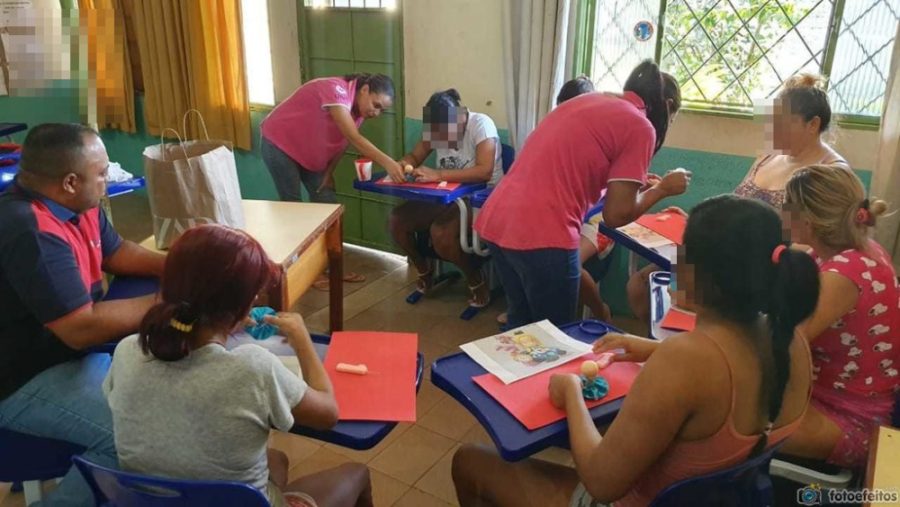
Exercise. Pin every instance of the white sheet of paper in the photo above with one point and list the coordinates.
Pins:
(522, 352)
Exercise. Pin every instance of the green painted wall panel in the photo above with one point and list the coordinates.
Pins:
(323, 67)
(352, 218)
(327, 32)
(375, 36)
(374, 224)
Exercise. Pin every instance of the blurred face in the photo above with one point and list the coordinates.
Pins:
(790, 132)
(444, 128)
(797, 226)
(369, 105)
(87, 183)
(686, 294)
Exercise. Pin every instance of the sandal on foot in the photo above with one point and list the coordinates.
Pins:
(474, 303)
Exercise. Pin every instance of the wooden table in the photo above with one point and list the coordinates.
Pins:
(883, 470)
(305, 239)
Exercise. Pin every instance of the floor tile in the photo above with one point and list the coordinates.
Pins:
(322, 459)
(385, 489)
(448, 418)
(418, 498)
(438, 481)
(411, 455)
(369, 454)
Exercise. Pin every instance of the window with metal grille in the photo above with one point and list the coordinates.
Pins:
(730, 54)
(351, 4)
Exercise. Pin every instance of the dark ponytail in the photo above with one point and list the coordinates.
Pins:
(743, 270)
(648, 83)
(378, 83)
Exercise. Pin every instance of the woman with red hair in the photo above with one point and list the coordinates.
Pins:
(183, 406)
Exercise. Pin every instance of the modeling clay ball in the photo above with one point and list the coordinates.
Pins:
(590, 369)
(407, 169)
(261, 330)
(594, 389)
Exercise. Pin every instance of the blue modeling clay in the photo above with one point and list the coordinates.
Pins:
(595, 389)
(261, 330)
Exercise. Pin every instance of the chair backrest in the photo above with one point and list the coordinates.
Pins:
(507, 155)
(745, 485)
(115, 488)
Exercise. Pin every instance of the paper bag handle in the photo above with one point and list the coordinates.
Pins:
(202, 122)
(162, 143)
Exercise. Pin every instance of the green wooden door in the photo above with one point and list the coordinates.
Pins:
(337, 41)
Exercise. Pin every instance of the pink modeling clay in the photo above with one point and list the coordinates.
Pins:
(604, 360)
(356, 369)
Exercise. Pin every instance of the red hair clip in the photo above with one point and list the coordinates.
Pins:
(776, 253)
(863, 216)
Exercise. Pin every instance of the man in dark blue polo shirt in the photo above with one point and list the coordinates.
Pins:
(55, 244)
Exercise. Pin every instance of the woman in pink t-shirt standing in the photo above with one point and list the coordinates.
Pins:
(304, 137)
(593, 142)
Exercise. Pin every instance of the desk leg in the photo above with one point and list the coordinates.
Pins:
(335, 242)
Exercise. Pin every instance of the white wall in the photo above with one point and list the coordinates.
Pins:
(285, 45)
(454, 44)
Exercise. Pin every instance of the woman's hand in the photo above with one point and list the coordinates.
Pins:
(327, 182)
(426, 175)
(636, 350)
(675, 182)
(395, 171)
(561, 386)
(652, 179)
(291, 326)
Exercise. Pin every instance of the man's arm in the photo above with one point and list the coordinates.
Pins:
(94, 324)
(134, 260)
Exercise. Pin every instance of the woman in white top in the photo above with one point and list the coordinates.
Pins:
(467, 150)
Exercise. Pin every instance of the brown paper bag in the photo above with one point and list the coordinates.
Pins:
(191, 183)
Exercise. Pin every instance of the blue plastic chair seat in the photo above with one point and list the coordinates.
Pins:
(116, 488)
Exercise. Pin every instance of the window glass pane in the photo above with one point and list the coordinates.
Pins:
(863, 56)
(623, 38)
(732, 53)
(257, 52)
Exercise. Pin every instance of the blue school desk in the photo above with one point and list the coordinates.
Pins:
(417, 194)
(453, 374)
(639, 249)
(8, 129)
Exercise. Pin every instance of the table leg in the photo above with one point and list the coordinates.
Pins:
(335, 243)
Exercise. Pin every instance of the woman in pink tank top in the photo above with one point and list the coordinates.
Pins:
(705, 400)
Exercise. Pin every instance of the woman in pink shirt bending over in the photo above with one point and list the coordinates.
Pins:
(304, 137)
(680, 420)
(596, 141)
(854, 330)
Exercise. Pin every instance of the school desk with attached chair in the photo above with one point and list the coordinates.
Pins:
(453, 374)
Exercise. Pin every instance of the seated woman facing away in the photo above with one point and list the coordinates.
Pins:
(800, 120)
(185, 407)
(680, 421)
(854, 330)
(467, 149)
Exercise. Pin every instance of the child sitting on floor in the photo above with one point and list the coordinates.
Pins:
(185, 407)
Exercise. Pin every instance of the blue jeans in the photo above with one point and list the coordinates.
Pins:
(288, 175)
(66, 402)
(539, 284)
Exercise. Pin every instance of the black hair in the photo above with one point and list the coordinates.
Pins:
(807, 98)
(445, 99)
(378, 83)
(573, 88)
(655, 88)
(54, 149)
(729, 241)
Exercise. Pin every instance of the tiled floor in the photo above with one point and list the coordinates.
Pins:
(411, 467)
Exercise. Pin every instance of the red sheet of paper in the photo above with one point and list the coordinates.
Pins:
(670, 227)
(679, 320)
(528, 400)
(388, 391)
(430, 186)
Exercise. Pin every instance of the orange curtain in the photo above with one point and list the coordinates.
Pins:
(110, 97)
(192, 57)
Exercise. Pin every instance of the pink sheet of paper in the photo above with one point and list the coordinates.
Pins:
(679, 320)
(388, 391)
(668, 225)
(430, 186)
(529, 401)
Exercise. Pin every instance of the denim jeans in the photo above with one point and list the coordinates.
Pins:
(66, 402)
(539, 284)
(288, 175)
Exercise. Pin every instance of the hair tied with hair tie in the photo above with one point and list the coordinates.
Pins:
(776, 253)
(181, 326)
(768, 430)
